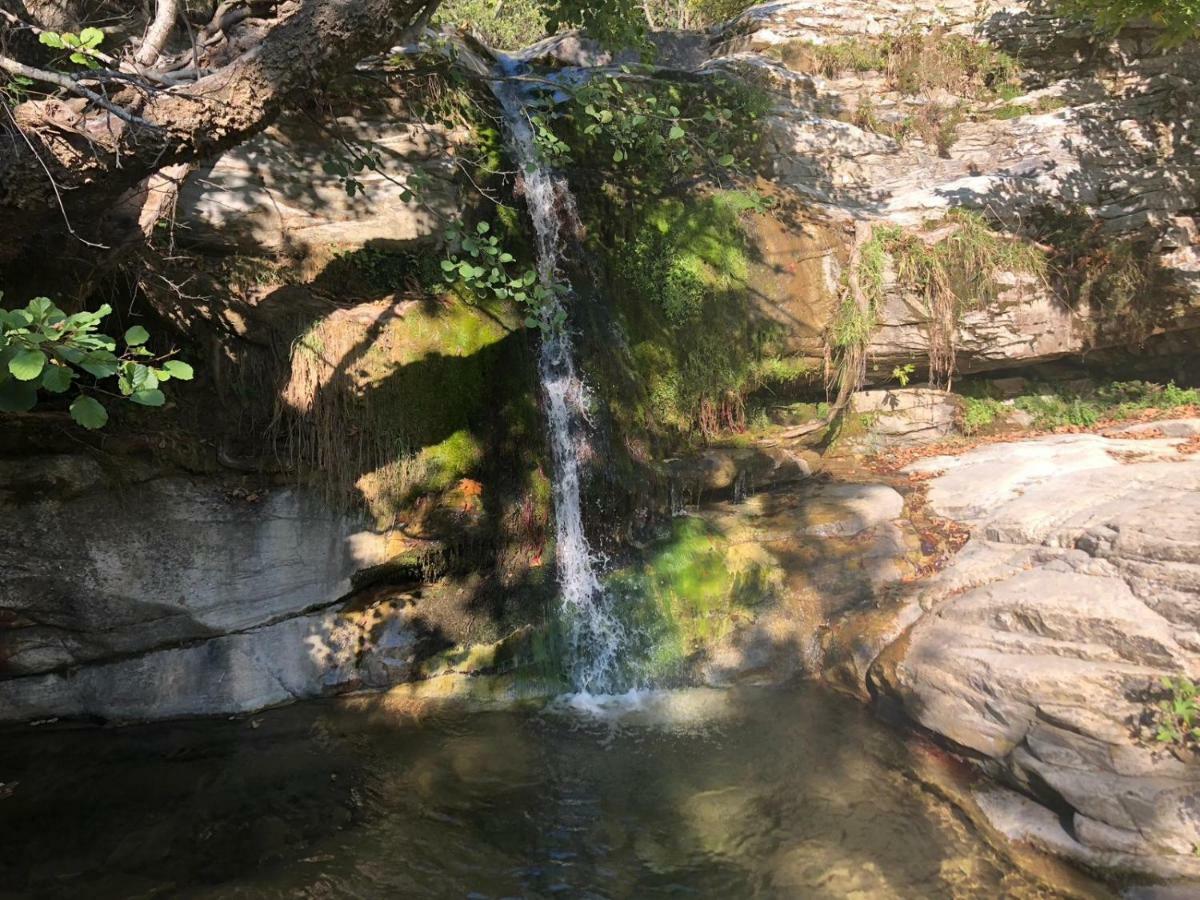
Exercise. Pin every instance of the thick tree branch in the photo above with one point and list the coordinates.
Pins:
(12, 67)
(93, 159)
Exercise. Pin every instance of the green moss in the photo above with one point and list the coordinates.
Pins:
(687, 596)
(681, 290)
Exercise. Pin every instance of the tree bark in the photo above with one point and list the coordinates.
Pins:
(73, 160)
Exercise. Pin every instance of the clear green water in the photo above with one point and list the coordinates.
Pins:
(747, 793)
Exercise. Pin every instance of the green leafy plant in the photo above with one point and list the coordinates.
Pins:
(1178, 19)
(82, 46)
(477, 261)
(978, 413)
(1052, 411)
(903, 373)
(644, 135)
(1177, 718)
(44, 349)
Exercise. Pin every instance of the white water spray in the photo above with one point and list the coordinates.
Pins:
(595, 635)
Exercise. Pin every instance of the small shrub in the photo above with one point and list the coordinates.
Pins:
(978, 413)
(1050, 411)
(916, 61)
(510, 25)
(1177, 718)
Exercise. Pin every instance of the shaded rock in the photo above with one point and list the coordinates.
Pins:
(272, 194)
(900, 417)
(172, 560)
(740, 471)
(829, 551)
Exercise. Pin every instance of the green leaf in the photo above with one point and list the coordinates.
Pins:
(136, 335)
(27, 364)
(17, 396)
(177, 368)
(89, 412)
(618, 155)
(101, 364)
(676, 133)
(41, 308)
(91, 37)
(57, 379)
(726, 160)
(153, 397)
(51, 39)
(448, 265)
(69, 39)
(483, 227)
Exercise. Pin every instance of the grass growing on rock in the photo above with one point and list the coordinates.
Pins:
(1051, 408)
(695, 350)
(914, 61)
(954, 265)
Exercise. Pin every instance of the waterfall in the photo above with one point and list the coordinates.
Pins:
(595, 636)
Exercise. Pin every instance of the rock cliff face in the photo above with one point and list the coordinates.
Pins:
(1035, 650)
(1102, 132)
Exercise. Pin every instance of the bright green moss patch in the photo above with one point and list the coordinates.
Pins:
(688, 595)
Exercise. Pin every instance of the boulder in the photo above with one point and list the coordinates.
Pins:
(900, 417)
(273, 195)
(1043, 646)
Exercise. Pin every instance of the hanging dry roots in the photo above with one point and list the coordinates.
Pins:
(846, 369)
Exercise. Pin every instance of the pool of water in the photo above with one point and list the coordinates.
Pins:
(742, 793)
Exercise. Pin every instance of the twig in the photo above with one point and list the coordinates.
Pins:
(68, 83)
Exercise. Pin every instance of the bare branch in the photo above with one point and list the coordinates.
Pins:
(12, 67)
(165, 14)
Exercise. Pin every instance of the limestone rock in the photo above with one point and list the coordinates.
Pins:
(187, 581)
(1041, 644)
(1101, 133)
(724, 472)
(905, 416)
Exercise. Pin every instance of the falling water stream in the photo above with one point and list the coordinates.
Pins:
(595, 635)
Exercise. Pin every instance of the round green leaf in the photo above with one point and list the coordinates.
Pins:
(89, 412)
(57, 379)
(100, 363)
(136, 335)
(676, 133)
(27, 364)
(177, 368)
(153, 397)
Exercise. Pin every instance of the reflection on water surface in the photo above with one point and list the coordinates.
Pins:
(747, 793)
